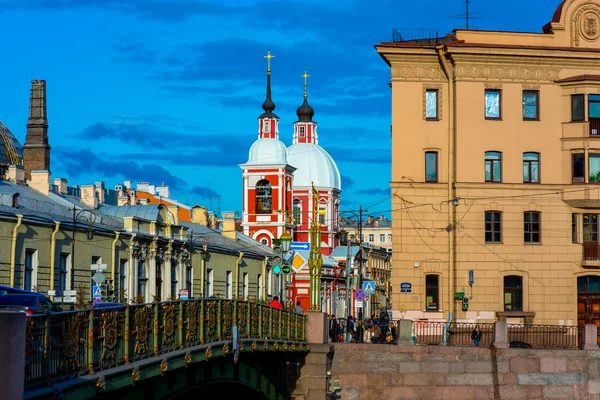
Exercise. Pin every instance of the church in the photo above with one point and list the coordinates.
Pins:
(278, 180)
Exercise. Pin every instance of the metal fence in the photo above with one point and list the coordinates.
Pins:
(415, 35)
(544, 336)
(72, 343)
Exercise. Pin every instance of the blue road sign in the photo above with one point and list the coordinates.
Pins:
(405, 287)
(300, 246)
(359, 295)
(369, 287)
(97, 292)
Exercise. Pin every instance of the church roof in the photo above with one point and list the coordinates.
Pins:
(267, 152)
(313, 165)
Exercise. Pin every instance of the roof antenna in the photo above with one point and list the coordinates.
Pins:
(468, 15)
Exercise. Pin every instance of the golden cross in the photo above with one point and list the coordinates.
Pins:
(305, 75)
(268, 57)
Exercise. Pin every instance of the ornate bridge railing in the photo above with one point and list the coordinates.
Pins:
(73, 343)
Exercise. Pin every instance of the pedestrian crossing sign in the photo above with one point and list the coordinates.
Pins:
(97, 291)
(369, 287)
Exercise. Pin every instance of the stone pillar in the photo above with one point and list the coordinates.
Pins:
(501, 335)
(12, 348)
(317, 327)
(312, 383)
(590, 337)
(405, 332)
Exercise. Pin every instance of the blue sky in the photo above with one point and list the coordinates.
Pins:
(169, 90)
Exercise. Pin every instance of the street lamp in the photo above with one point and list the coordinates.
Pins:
(344, 239)
(286, 241)
(89, 235)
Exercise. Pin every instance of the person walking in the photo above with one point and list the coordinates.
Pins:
(275, 303)
(298, 309)
(334, 329)
(476, 335)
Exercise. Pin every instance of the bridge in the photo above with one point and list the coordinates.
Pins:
(165, 350)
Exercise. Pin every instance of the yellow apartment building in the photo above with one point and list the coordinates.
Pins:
(496, 171)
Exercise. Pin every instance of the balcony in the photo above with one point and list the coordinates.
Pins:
(581, 129)
(590, 255)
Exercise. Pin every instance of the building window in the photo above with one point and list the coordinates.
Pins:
(574, 228)
(493, 226)
(260, 287)
(245, 285)
(513, 293)
(96, 260)
(263, 197)
(302, 132)
(431, 104)
(323, 214)
(531, 104)
(531, 168)
(578, 167)
(297, 212)
(431, 166)
(209, 282)
(123, 264)
(493, 104)
(188, 279)
(142, 278)
(594, 106)
(432, 292)
(62, 274)
(590, 228)
(531, 228)
(594, 166)
(588, 284)
(389, 238)
(371, 237)
(30, 261)
(267, 127)
(173, 279)
(229, 285)
(381, 238)
(577, 107)
(493, 166)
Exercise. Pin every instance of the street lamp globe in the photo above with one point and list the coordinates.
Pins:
(343, 235)
(286, 241)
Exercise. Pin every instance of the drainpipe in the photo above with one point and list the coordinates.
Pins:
(13, 250)
(53, 253)
(114, 254)
(237, 275)
(449, 72)
(264, 278)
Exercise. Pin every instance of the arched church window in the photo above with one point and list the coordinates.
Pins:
(297, 212)
(302, 132)
(323, 213)
(263, 197)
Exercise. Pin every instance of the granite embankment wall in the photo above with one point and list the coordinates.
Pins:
(389, 372)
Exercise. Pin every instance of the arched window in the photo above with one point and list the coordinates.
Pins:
(513, 293)
(531, 168)
(263, 197)
(493, 166)
(323, 213)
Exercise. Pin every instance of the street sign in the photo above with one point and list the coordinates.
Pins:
(471, 277)
(97, 301)
(69, 299)
(405, 287)
(98, 267)
(300, 246)
(369, 287)
(298, 262)
(183, 294)
(98, 277)
(97, 292)
(70, 293)
(359, 295)
(359, 304)
(51, 292)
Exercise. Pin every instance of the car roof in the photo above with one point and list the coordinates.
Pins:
(19, 299)
(10, 290)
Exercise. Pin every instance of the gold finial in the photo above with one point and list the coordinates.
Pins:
(305, 75)
(268, 57)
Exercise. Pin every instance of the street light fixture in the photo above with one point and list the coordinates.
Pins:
(89, 236)
(286, 241)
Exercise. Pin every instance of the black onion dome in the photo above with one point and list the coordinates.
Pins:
(305, 112)
(268, 104)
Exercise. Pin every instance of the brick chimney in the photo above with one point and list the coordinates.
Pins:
(89, 196)
(229, 225)
(62, 185)
(36, 151)
(200, 215)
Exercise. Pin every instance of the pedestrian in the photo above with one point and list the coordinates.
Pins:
(275, 303)
(334, 329)
(413, 332)
(351, 330)
(298, 309)
(476, 335)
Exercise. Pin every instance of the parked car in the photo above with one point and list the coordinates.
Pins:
(10, 290)
(34, 303)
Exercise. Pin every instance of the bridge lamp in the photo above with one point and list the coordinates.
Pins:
(286, 241)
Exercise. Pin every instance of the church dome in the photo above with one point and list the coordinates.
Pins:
(267, 152)
(11, 151)
(305, 112)
(313, 165)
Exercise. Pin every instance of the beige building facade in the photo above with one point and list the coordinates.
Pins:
(495, 171)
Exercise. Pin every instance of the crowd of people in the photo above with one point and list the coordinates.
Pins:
(367, 330)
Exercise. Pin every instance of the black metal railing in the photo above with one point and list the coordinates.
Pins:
(72, 343)
(544, 336)
(415, 35)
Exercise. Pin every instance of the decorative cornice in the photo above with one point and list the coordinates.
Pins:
(492, 85)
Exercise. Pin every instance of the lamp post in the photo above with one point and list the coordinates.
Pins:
(344, 238)
(89, 235)
(203, 256)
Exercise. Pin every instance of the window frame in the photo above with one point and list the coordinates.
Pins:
(589, 102)
(573, 178)
(512, 290)
(264, 197)
(63, 282)
(529, 164)
(29, 269)
(493, 223)
(590, 221)
(435, 153)
(302, 132)
(583, 113)
(492, 161)
(174, 281)
(437, 104)
(589, 176)
(529, 227)
(142, 279)
(435, 287)
(537, 105)
(574, 228)
(492, 118)
(382, 238)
